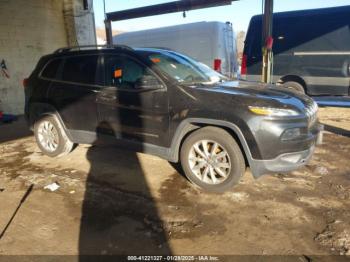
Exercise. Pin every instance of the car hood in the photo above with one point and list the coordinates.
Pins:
(264, 94)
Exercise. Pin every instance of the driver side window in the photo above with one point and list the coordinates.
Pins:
(124, 72)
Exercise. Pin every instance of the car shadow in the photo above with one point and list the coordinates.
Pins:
(119, 214)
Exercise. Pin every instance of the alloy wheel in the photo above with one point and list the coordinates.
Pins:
(48, 136)
(210, 162)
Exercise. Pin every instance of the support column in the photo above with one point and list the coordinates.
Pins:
(79, 22)
(267, 42)
(109, 37)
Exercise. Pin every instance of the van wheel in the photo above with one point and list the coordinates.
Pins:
(51, 137)
(212, 160)
(294, 86)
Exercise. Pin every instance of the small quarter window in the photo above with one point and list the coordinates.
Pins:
(51, 69)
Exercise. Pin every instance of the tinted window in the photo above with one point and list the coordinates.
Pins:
(256, 45)
(80, 69)
(307, 32)
(311, 33)
(182, 68)
(325, 35)
(51, 68)
(287, 36)
(253, 42)
(124, 72)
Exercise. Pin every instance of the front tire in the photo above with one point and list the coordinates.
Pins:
(51, 137)
(212, 159)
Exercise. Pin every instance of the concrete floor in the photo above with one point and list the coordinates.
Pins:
(116, 202)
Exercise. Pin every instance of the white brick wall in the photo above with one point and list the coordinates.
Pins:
(28, 30)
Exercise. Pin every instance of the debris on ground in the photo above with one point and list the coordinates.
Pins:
(52, 187)
(335, 237)
(321, 170)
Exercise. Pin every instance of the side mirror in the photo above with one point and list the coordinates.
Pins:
(148, 82)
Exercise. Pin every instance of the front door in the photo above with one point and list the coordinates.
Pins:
(129, 108)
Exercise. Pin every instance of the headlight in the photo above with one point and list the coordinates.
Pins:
(269, 111)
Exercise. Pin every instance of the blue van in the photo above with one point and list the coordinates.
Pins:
(311, 50)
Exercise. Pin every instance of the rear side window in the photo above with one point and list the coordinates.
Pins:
(80, 69)
(50, 71)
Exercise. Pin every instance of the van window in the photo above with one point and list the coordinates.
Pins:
(51, 68)
(309, 34)
(124, 72)
(80, 69)
(253, 42)
(256, 47)
(326, 35)
(287, 36)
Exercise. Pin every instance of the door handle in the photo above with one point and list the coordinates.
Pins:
(106, 97)
(112, 97)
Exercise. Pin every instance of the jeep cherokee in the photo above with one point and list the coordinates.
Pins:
(166, 104)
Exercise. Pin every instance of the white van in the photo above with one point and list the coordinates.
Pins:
(212, 43)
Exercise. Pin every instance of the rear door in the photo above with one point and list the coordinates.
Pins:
(128, 110)
(74, 93)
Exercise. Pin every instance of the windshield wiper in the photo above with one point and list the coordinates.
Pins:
(198, 83)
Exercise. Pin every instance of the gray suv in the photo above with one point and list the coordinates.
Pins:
(166, 104)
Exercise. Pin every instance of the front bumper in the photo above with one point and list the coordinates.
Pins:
(288, 161)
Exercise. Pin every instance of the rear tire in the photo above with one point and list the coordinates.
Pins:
(212, 159)
(294, 86)
(51, 137)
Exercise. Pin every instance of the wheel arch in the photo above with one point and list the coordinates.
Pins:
(187, 126)
(293, 78)
(39, 110)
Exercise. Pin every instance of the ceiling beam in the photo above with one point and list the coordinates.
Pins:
(166, 8)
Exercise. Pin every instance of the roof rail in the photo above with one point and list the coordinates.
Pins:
(90, 47)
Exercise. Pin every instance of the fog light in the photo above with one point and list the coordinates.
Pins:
(291, 134)
(292, 158)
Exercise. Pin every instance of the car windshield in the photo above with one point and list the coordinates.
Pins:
(185, 70)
